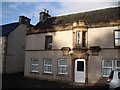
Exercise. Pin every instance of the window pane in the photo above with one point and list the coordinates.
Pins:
(84, 39)
(106, 71)
(48, 69)
(48, 61)
(34, 67)
(118, 63)
(62, 62)
(107, 63)
(34, 61)
(78, 38)
(62, 69)
(80, 65)
(117, 42)
(117, 34)
(48, 42)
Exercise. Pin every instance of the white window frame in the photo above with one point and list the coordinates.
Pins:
(66, 66)
(116, 64)
(78, 39)
(103, 67)
(47, 65)
(117, 38)
(32, 59)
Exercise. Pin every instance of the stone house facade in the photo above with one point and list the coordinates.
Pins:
(82, 47)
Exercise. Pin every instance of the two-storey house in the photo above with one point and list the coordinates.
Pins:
(82, 47)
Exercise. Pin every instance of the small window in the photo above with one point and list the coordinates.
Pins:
(80, 65)
(78, 38)
(34, 65)
(47, 65)
(107, 66)
(119, 75)
(117, 38)
(48, 42)
(62, 66)
(117, 63)
(83, 39)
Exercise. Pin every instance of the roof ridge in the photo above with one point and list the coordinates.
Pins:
(86, 11)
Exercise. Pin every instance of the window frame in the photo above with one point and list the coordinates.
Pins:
(66, 66)
(32, 59)
(78, 39)
(50, 43)
(103, 67)
(116, 38)
(47, 65)
(116, 64)
(84, 38)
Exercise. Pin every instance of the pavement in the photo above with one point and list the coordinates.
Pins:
(18, 81)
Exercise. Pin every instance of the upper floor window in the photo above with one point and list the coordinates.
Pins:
(81, 38)
(77, 38)
(48, 42)
(117, 38)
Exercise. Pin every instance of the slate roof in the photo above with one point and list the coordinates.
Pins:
(92, 17)
(6, 29)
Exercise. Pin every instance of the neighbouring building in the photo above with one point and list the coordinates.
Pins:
(12, 46)
(82, 47)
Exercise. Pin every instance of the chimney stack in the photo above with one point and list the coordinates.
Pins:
(44, 15)
(24, 20)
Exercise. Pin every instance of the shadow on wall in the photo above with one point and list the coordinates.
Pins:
(103, 37)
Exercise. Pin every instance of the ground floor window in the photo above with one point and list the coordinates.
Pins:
(47, 65)
(34, 63)
(62, 66)
(117, 64)
(108, 66)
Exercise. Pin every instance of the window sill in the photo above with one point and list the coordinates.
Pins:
(35, 72)
(62, 75)
(47, 74)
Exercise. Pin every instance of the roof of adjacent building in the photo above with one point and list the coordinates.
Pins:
(91, 17)
(6, 29)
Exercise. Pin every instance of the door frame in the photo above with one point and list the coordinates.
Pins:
(75, 67)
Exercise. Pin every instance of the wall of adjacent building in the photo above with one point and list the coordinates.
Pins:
(16, 50)
(2, 51)
(103, 37)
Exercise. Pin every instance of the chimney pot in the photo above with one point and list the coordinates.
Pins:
(44, 15)
(24, 20)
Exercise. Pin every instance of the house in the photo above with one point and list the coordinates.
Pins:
(12, 46)
(82, 47)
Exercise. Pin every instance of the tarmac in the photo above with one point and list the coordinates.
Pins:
(18, 81)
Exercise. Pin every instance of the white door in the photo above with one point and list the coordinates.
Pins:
(80, 70)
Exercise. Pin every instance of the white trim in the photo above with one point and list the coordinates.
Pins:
(32, 59)
(116, 64)
(65, 66)
(47, 65)
(103, 67)
(78, 39)
(79, 74)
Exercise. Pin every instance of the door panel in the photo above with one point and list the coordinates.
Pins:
(80, 70)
